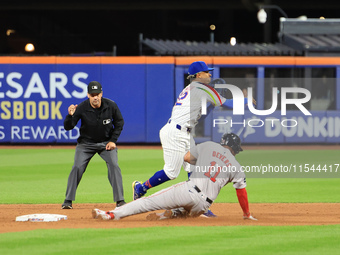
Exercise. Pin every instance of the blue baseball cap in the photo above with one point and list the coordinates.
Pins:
(198, 66)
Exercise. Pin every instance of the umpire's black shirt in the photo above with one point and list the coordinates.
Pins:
(97, 125)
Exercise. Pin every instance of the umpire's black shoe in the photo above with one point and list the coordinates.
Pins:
(67, 204)
(120, 203)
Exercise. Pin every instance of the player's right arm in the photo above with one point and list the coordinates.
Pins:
(71, 109)
(192, 155)
(243, 200)
(72, 118)
(228, 103)
(213, 97)
(216, 99)
(239, 183)
(188, 157)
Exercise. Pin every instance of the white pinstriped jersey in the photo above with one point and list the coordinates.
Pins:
(215, 168)
(187, 109)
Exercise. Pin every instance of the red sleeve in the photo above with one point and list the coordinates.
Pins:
(243, 200)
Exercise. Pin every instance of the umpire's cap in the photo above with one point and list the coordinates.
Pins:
(94, 87)
(197, 67)
(233, 141)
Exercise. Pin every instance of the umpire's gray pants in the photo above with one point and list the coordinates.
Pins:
(84, 153)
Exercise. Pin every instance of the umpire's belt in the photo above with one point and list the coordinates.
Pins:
(198, 191)
(180, 128)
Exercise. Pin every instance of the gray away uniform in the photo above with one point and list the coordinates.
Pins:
(215, 168)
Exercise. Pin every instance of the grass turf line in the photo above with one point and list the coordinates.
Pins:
(176, 240)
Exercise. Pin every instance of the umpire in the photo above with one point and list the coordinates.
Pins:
(101, 125)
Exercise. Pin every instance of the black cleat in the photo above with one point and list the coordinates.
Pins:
(67, 205)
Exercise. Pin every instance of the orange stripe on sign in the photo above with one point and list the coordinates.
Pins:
(78, 60)
(317, 61)
(160, 60)
(123, 60)
(259, 61)
(87, 60)
(32, 60)
(5, 60)
(188, 60)
(237, 60)
(138, 60)
(254, 61)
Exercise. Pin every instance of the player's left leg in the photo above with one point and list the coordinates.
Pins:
(174, 143)
(197, 207)
(175, 196)
(140, 189)
(82, 156)
(96, 213)
(114, 173)
(170, 171)
(189, 169)
(208, 214)
(168, 214)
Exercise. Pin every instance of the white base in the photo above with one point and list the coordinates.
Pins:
(42, 217)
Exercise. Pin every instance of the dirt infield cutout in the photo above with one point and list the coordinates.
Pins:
(229, 214)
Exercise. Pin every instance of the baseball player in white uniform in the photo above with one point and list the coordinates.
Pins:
(214, 166)
(175, 136)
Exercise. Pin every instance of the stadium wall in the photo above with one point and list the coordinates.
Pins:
(35, 93)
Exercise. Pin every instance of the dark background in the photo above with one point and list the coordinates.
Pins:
(95, 27)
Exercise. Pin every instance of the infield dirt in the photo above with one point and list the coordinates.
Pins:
(229, 214)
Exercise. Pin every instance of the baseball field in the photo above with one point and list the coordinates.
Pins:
(295, 215)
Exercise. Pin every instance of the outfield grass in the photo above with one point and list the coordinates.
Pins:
(35, 176)
(176, 240)
(40, 176)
